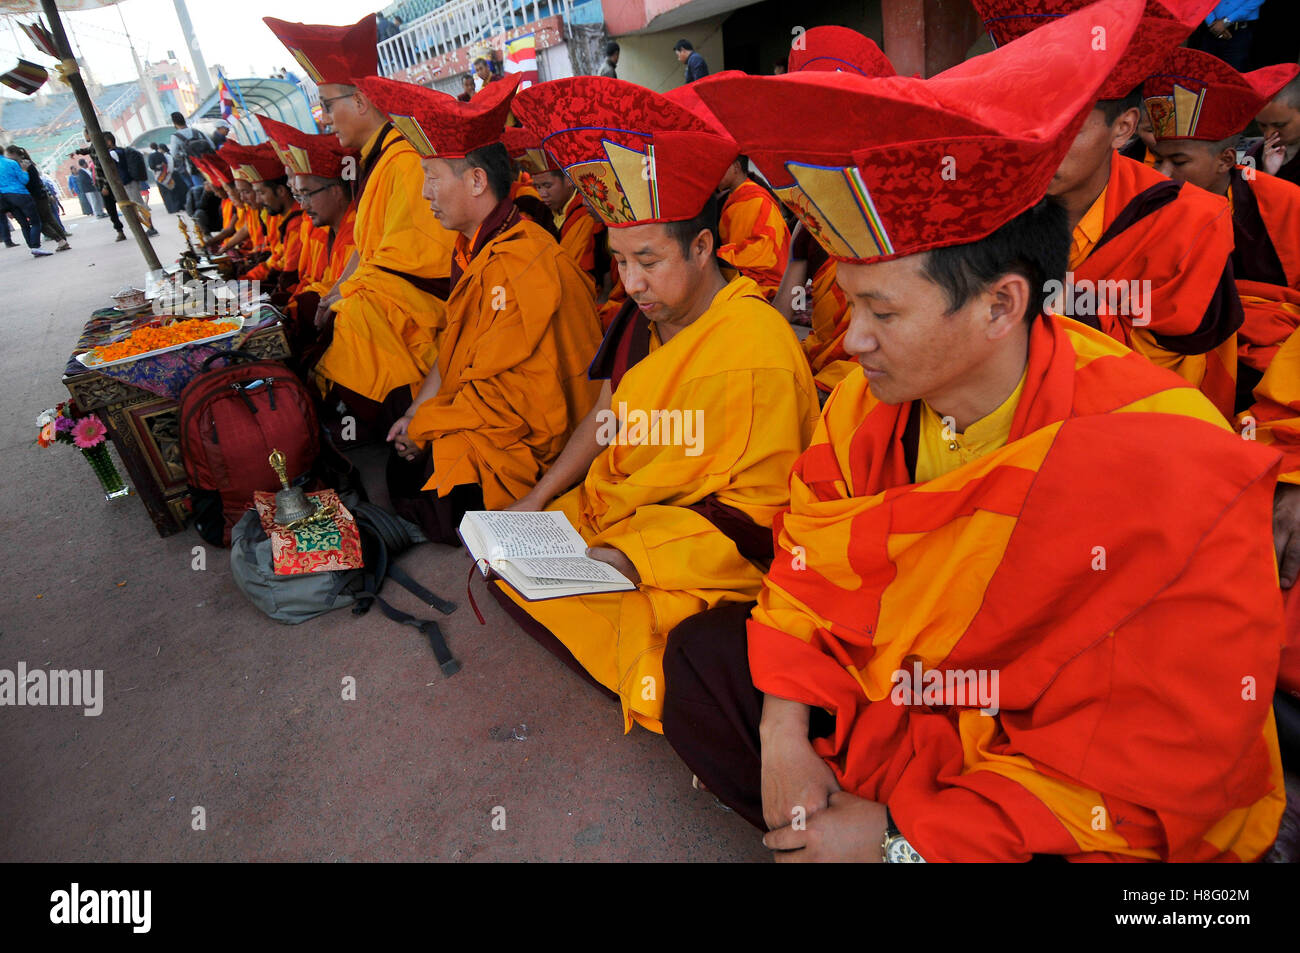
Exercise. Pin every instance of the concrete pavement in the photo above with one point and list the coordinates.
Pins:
(208, 705)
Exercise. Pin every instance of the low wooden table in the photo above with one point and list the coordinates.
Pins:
(145, 425)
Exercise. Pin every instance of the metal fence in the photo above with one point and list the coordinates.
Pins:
(461, 23)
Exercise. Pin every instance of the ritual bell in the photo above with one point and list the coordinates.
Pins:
(291, 503)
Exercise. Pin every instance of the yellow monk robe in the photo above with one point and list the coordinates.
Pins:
(755, 239)
(579, 233)
(990, 567)
(387, 320)
(514, 379)
(1266, 261)
(1145, 228)
(738, 375)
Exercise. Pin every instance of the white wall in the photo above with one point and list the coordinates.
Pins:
(648, 58)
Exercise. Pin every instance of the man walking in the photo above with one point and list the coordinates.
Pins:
(182, 169)
(610, 66)
(696, 68)
(134, 174)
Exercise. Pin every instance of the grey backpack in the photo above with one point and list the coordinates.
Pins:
(294, 599)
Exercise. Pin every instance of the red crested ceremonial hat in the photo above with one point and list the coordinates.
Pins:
(252, 163)
(636, 156)
(686, 97)
(525, 147)
(305, 153)
(331, 54)
(1164, 25)
(910, 164)
(838, 49)
(213, 168)
(438, 124)
(1194, 95)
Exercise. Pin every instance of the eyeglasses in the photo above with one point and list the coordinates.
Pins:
(325, 103)
(301, 197)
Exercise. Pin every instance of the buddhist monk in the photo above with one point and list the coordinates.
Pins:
(1149, 259)
(510, 382)
(809, 287)
(324, 179)
(1199, 105)
(1278, 152)
(951, 657)
(526, 152)
(384, 316)
(582, 236)
(681, 506)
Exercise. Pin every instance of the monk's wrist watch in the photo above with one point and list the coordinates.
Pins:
(894, 848)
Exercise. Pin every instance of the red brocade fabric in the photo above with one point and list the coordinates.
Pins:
(525, 147)
(1194, 95)
(331, 54)
(868, 190)
(832, 48)
(214, 169)
(1165, 24)
(637, 156)
(304, 153)
(252, 163)
(438, 124)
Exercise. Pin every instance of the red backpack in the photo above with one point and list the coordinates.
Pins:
(230, 421)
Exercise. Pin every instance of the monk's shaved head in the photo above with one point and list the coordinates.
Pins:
(1206, 165)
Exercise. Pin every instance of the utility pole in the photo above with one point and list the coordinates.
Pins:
(87, 107)
(196, 54)
(146, 81)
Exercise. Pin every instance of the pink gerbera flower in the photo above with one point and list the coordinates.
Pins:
(88, 433)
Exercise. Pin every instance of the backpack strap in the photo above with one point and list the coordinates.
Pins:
(448, 664)
(400, 576)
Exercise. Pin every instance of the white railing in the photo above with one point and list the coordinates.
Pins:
(460, 23)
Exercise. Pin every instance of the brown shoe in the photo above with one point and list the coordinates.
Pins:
(121, 237)
(62, 246)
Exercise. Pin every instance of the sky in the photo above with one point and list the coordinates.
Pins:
(230, 33)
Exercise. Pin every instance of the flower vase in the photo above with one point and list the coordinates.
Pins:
(112, 482)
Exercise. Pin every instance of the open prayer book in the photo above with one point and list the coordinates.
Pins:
(539, 554)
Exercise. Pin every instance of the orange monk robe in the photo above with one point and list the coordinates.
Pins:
(579, 233)
(315, 253)
(391, 307)
(284, 240)
(1274, 421)
(737, 376)
(609, 308)
(755, 239)
(1266, 261)
(326, 253)
(520, 333)
(830, 313)
(1002, 567)
(1145, 228)
(229, 213)
(529, 201)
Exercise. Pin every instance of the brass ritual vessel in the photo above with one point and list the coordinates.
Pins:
(292, 508)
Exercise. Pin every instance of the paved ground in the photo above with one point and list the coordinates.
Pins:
(208, 704)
